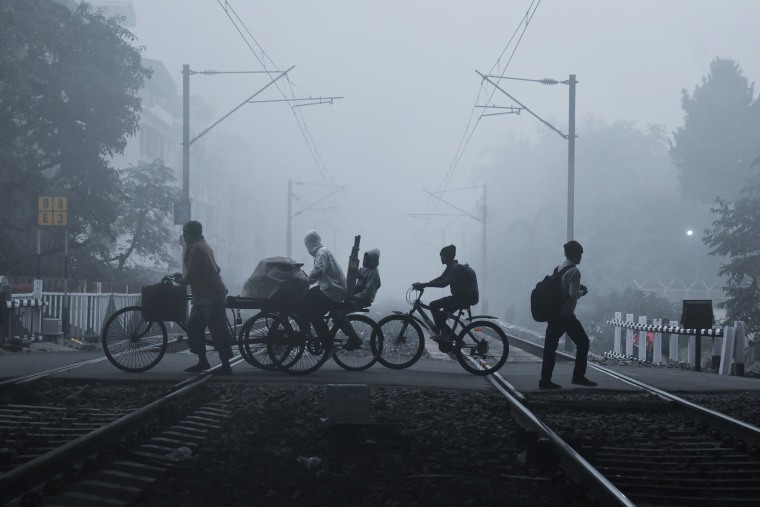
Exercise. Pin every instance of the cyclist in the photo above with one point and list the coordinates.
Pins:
(209, 298)
(367, 283)
(329, 291)
(464, 292)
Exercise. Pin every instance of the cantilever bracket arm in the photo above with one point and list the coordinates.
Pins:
(220, 120)
(487, 78)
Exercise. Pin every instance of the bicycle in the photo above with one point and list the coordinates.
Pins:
(293, 348)
(134, 344)
(480, 346)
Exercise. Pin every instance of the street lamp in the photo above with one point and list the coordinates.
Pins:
(570, 136)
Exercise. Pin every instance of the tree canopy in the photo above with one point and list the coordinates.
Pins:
(720, 137)
(735, 236)
(69, 84)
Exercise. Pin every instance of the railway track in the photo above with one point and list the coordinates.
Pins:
(64, 451)
(648, 447)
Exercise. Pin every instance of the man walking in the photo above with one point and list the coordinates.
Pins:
(209, 298)
(567, 322)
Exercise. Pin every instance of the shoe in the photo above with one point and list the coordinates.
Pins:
(548, 384)
(353, 343)
(201, 366)
(583, 381)
(224, 369)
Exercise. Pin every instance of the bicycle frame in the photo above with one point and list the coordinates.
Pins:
(418, 307)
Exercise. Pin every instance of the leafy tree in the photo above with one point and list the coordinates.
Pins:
(145, 213)
(69, 84)
(735, 235)
(720, 136)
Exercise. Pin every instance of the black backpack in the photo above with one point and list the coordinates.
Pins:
(546, 299)
(470, 285)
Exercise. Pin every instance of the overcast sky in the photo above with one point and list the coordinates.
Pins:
(406, 70)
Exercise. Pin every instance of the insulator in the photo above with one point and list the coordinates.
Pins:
(548, 81)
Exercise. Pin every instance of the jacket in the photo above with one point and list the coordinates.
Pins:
(326, 273)
(202, 274)
(454, 277)
(571, 288)
(368, 279)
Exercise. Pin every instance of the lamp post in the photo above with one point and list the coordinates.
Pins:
(570, 136)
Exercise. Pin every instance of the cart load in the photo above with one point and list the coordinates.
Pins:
(278, 280)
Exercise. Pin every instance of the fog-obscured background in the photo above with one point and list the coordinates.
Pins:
(408, 121)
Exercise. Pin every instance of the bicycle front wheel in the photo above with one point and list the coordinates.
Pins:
(293, 350)
(403, 342)
(367, 353)
(482, 347)
(131, 343)
(253, 341)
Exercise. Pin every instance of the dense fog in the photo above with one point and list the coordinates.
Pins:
(405, 139)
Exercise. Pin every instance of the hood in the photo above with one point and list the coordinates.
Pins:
(313, 242)
(373, 257)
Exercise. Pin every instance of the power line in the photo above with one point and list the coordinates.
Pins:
(470, 128)
(263, 60)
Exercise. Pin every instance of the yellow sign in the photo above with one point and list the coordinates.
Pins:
(53, 210)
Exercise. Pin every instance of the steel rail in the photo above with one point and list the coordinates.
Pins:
(31, 474)
(741, 430)
(38, 375)
(597, 486)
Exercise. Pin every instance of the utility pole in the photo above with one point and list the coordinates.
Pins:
(571, 160)
(570, 137)
(182, 212)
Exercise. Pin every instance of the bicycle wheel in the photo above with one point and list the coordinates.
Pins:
(253, 341)
(131, 343)
(403, 342)
(367, 354)
(482, 347)
(293, 350)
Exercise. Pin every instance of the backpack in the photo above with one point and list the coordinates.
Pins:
(469, 285)
(546, 299)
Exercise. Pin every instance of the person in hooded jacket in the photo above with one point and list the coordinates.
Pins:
(367, 280)
(367, 283)
(209, 300)
(330, 288)
(461, 291)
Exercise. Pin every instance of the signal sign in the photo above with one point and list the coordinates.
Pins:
(52, 210)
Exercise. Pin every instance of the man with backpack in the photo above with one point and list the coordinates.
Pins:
(464, 292)
(565, 321)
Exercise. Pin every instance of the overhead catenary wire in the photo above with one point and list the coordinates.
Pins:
(475, 115)
(264, 59)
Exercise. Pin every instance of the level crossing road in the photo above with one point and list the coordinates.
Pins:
(521, 371)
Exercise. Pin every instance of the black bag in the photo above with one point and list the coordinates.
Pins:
(470, 291)
(546, 299)
(164, 301)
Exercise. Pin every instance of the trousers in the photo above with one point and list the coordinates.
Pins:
(554, 331)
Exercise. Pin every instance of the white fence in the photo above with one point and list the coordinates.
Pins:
(37, 317)
(729, 342)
